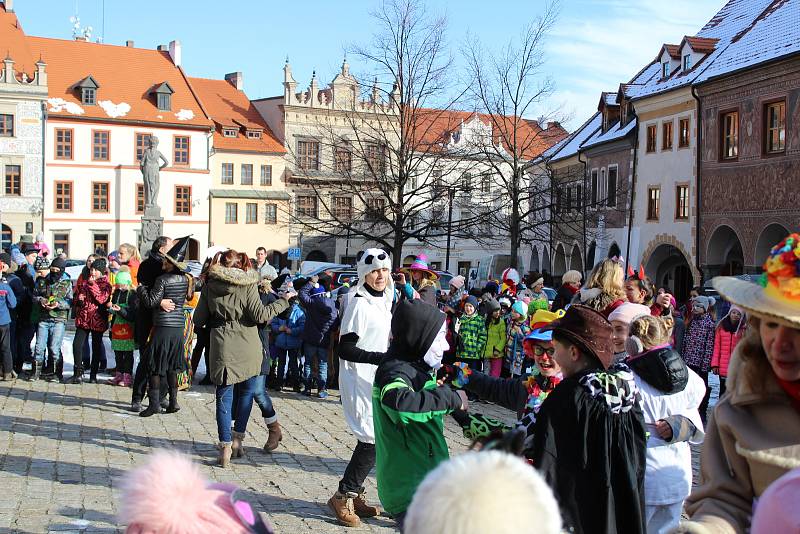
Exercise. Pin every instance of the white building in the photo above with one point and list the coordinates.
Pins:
(104, 102)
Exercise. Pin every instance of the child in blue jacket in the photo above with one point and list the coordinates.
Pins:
(7, 302)
(287, 328)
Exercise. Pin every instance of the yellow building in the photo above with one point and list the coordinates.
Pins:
(248, 197)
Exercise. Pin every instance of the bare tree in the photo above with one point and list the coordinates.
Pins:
(506, 87)
(377, 174)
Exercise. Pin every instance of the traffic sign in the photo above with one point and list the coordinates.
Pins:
(293, 254)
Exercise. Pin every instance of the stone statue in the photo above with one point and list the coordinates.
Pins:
(152, 163)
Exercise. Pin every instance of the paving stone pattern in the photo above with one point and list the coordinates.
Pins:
(64, 447)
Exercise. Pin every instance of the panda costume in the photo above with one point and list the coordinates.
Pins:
(366, 322)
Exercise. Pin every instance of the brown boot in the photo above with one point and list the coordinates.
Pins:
(275, 436)
(342, 506)
(237, 449)
(363, 509)
(225, 451)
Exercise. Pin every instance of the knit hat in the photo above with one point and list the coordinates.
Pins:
(587, 329)
(504, 301)
(538, 282)
(776, 510)
(472, 300)
(123, 278)
(520, 308)
(58, 263)
(457, 282)
(776, 296)
(151, 494)
(704, 302)
(627, 312)
(29, 248)
(41, 264)
(492, 306)
(571, 277)
(474, 492)
(100, 264)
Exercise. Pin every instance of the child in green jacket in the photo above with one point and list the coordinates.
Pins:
(495, 339)
(471, 334)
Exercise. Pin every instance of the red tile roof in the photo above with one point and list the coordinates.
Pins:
(230, 107)
(434, 128)
(701, 44)
(126, 75)
(14, 44)
(674, 51)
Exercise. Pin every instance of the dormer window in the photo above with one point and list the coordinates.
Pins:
(665, 69)
(229, 132)
(163, 93)
(88, 90)
(253, 134)
(687, 62)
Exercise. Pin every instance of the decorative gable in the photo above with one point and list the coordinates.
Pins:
(693, 50)
(669, 59)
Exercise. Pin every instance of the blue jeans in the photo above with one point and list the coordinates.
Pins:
(263, 400)
(242, 395)
(320, 354)
(49, 335)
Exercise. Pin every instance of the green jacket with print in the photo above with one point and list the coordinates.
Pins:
(408, 414)
(472, 337)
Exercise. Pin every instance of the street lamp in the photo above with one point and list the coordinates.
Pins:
(451, 193)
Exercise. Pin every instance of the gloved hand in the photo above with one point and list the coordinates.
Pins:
(479, 426)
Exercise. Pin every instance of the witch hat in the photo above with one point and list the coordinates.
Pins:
(177, 254)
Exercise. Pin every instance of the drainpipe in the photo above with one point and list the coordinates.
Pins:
(44, 158)
(698, 189)
(210, 151)
(583, 213)
(633, 187)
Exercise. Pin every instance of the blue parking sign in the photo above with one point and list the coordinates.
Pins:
(293, 254)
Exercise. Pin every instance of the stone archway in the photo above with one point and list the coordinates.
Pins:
(669, 268)
(408, 260)
(534, 265)
(724, 253)
(591, 254)
(559, 261)
(7, 237)
(575, 260)
(613, 251)
(769, 237)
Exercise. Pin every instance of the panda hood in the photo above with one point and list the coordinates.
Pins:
(370, 260)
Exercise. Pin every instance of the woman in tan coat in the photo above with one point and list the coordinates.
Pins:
(754, 435)
(231, 308)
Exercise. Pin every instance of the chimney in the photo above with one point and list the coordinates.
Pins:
(9, 4)
(236, 79)
(129, 44)
(175, 52)
(162, 48)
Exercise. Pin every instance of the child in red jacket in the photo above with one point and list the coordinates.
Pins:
(730, 331)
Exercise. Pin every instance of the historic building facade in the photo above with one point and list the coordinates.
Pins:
(104, 103)
(248, 199)
(23, 91)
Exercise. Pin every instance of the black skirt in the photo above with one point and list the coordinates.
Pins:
(164, 352)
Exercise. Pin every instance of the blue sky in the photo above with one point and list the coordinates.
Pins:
(594, 46)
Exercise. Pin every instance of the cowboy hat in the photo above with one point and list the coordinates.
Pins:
(777, 295)
(420, 264)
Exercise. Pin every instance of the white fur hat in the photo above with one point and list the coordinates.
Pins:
(370, 260)
(479, 492)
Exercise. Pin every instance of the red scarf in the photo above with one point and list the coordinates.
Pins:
(793, 390)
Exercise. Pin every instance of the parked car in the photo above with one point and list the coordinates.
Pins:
(551, 295)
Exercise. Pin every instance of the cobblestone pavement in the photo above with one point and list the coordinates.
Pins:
(64, 447)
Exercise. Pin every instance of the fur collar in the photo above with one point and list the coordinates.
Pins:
(233, 276)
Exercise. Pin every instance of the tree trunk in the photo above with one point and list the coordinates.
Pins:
(515, 223)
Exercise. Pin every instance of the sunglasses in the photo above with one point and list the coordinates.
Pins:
(539, 350)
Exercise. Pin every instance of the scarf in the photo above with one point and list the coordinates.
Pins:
(793, 390)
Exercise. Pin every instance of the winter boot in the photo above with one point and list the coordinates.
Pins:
(153, 395)
(363, 509)
(237, 449)
(36, 371)
(173, 392)
(275, 434)
(342, 506)
(224, 458)
(77, 376)
(117, 380)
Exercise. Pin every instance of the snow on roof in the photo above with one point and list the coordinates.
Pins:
(728, 24)
(570, 146)
(773, 34)
(615, 132)
(610, 98)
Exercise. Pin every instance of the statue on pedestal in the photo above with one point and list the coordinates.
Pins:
(152, 222)
(152, 163)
